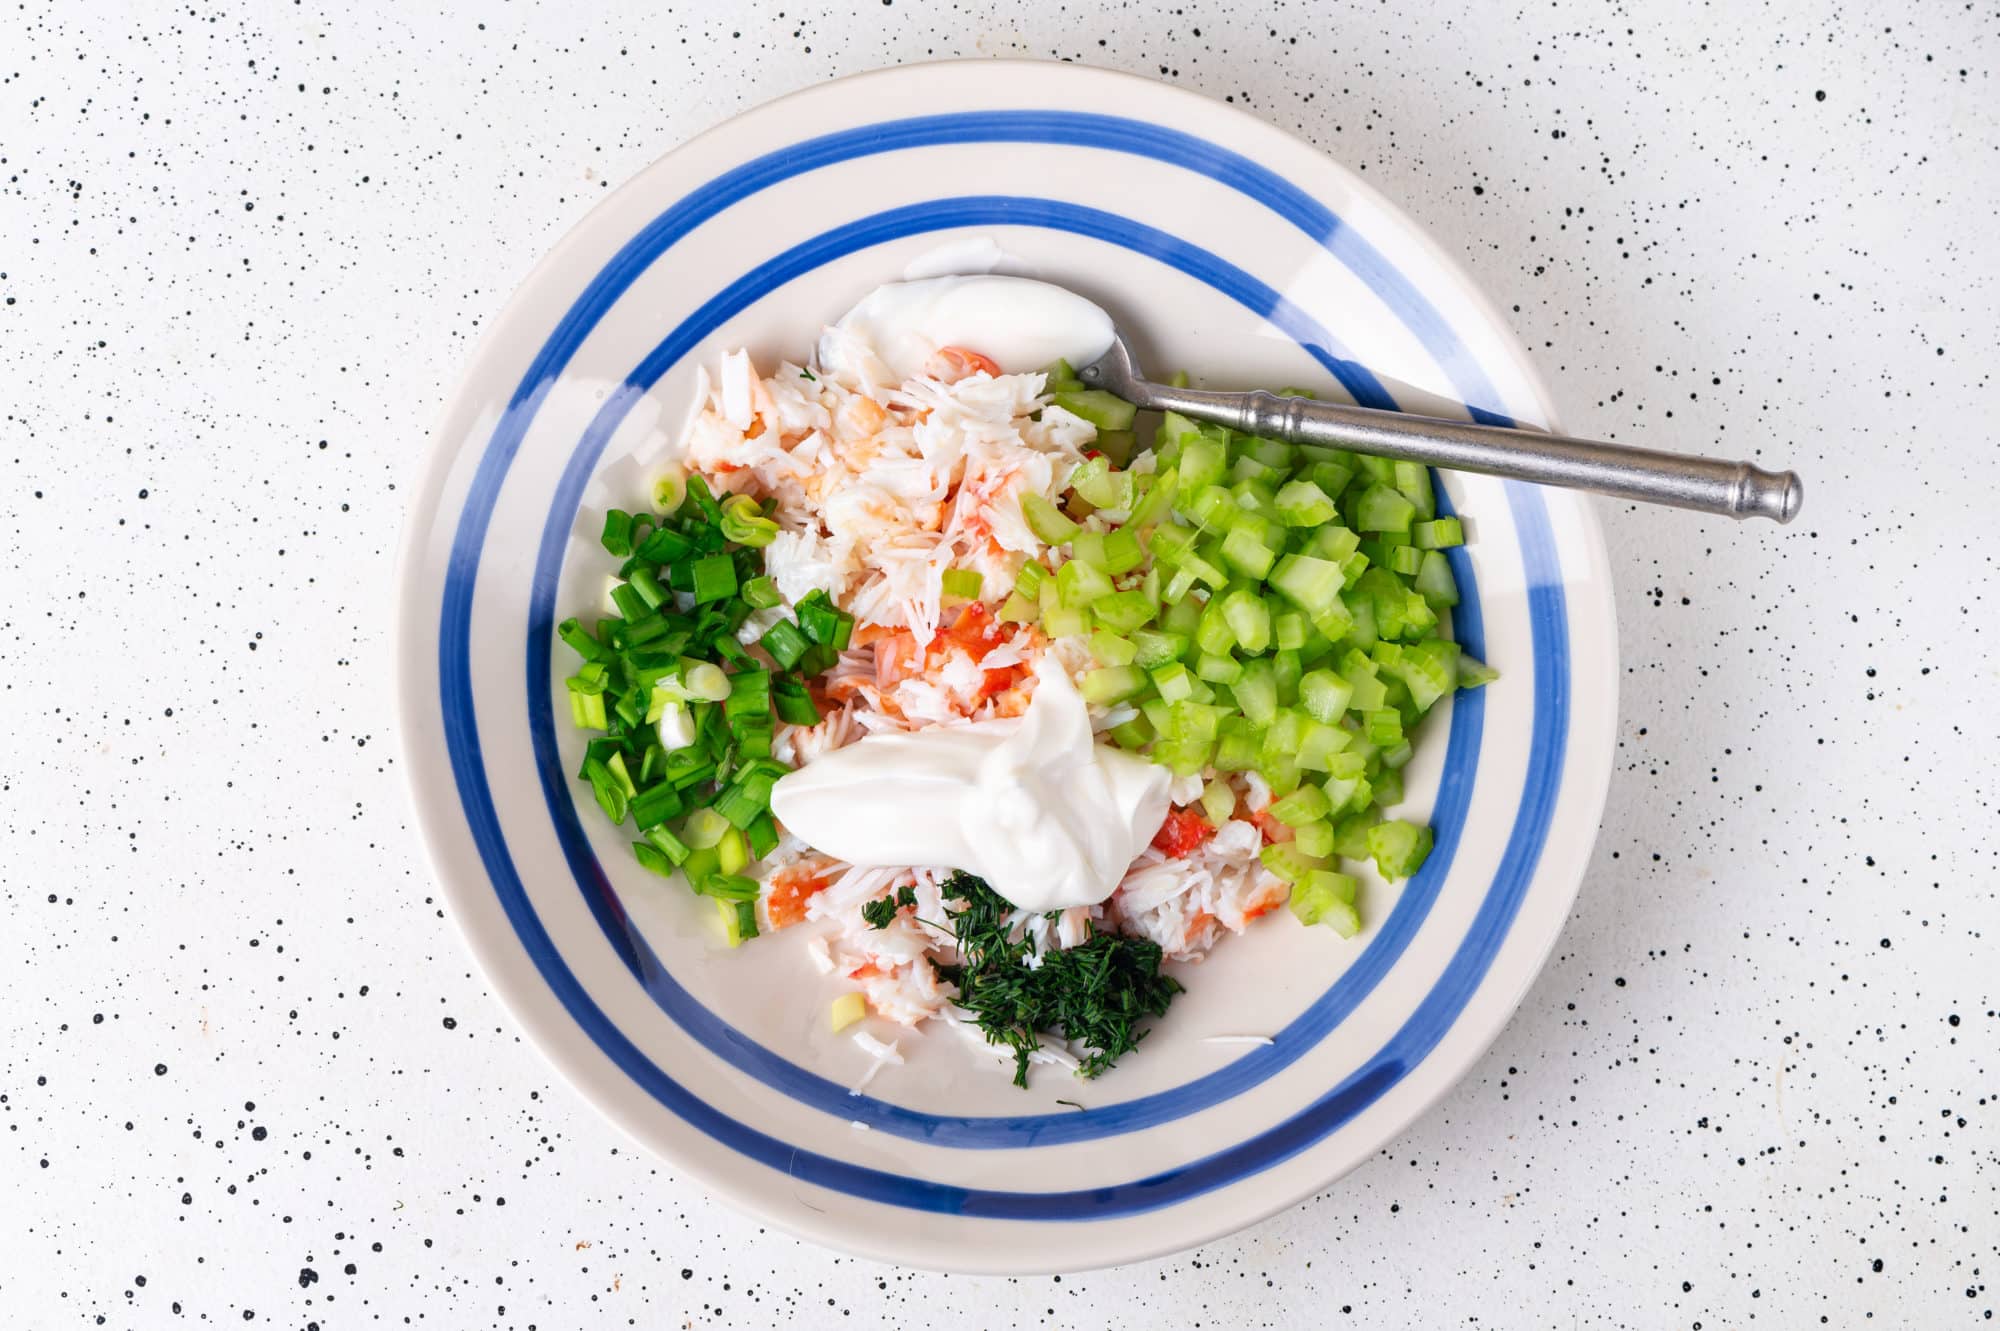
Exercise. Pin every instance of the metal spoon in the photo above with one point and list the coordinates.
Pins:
(1707, 484)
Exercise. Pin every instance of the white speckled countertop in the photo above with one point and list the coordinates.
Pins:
(247, 1073)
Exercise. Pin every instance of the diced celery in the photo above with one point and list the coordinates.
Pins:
(1330, 477)
(1303, 504)
(1169, 543)
(1176, 430)
(1205, 562)
(1289, 862)
(1257, 692)
(1218, 802)
(1322, 896)
(1121, 552)
(1203, 462)
(1087, 547)
(1104, 410)
(1244, 551)
(1365, 690)
(1406, 560)
(1289, 630)
(1065, 622)
(1388, 785)
(1429, 669)
(1287, 669)
(1093, 480)
(1350, 834)
(1212, 633)
(1383, 727)
(1187, 719)
(1413, 481)
(1394, 760)
(1316, 837)
(1283, 735)
(1473, 673)
(1059, 377)
(1398, 847)
(1046, 521)
(1111, 650)
(1248, 618)
(1134, 734)
(1221, 669)
(1313, 584)
(961, 584)
(1275, 453)
(1213, 509)
(1321, 744)
(1123, 612)
(1018, 609)
(1185, 757)
(1155, 501)
(1305, 805)
(1117, 445)
(1438, 534)
(1108, 685)
(1173, 681)
(1335, 622)
(1332, 542)
(1324, 695)
(1382, 470)
(1180, 585)
(1247, 468)
(1181, 616)
(1238, 745)
(1434, 581)
(1379, 509)
(1152, 647)
(1079, 584)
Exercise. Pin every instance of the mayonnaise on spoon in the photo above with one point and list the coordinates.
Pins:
(1046, 815)
(1018, 323)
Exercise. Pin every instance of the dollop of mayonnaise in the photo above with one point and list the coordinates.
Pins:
(1020, 324)
(1034, 805)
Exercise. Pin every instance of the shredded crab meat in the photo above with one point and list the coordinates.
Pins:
(879, 488)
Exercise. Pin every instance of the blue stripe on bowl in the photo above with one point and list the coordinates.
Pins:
(717, 1035)
(1441, 1006)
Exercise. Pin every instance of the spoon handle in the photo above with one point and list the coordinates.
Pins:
(1706, 484)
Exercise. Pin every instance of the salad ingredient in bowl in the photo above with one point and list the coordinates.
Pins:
(935, 661)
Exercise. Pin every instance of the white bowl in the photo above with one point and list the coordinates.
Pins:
(1221, 245)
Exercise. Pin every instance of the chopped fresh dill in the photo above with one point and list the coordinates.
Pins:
(1094, 994)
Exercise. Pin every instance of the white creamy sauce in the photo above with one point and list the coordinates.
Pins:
(1018, 323)
(1034, 805)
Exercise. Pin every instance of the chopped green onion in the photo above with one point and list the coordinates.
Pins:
(786, 642)
(670, 488)
(617, 537)
(713, 578)
(761, 593)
